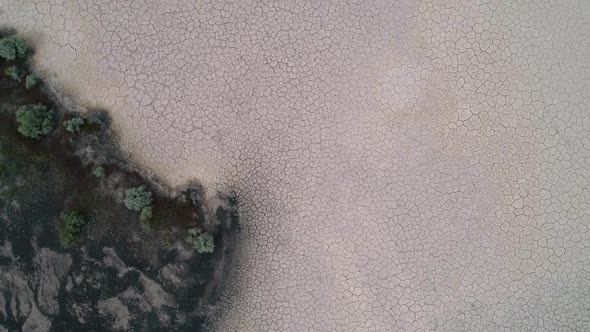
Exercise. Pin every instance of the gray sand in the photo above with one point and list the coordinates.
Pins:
(403, 165)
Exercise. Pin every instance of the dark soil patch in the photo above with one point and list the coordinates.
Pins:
(42, 179)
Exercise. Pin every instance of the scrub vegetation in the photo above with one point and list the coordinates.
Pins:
(202, 242)
(31, 81)
(71, 228)
(100, 172)
(13, 47)
(35, 120)
(137, 198)
(15, 73)
(140, 199)
(70, 191)
(74, 125)
(78, 165)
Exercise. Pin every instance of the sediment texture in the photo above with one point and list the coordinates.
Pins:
(415, 165)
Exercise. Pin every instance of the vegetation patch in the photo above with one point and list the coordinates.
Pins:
(146, 214)
(35, 120)
(173, 216)
(55, 193)
(71, 228)
(13, 47)
(31, 81)
(137, 198)
(202, 242)
(15, 73)
(100, 172)
(74, 125)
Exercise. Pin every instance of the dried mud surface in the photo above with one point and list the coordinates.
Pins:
(415, 165)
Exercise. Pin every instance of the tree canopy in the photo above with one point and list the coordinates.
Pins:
(137, 198)
(13, 47)
(202, 242)
(35, 120)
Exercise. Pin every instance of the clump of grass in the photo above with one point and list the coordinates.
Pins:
(99, 172)
(35, 120)
(14, 47)
(31, 81)
(146, 214)
(74, 125)
(202, 242)
(71, 228)
(15, 73)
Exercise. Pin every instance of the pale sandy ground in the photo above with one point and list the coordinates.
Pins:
(403, 165)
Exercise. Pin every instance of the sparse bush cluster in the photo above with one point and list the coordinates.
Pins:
(202, 242)
(140, 199)
(71, 228)
(35, 120)
(15, 48)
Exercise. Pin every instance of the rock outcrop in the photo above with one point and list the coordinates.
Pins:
(53, 267)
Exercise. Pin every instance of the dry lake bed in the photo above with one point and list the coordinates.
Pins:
(401, 165)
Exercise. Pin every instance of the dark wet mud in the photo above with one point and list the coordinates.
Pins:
(124, 274)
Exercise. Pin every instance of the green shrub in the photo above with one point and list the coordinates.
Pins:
(202, 242)
(100, 172)
(137, 198)
(35, 120)
(74, 125)
(13, 47)
(15, 73)
(146, 214)
(71, 228)
(31, 81)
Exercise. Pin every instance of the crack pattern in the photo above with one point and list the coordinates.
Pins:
(408, 165)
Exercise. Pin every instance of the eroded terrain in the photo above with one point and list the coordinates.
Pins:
(415, 165)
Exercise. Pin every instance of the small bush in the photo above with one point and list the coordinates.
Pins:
(31, 81)
(35, 120)
(137, 198)
(74, 125)
(71, 228)
(146, 214)
(15, 73)
(100, 172)
(202, 242)
(13, 47)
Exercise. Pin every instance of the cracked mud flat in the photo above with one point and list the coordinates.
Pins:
(402, 164)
